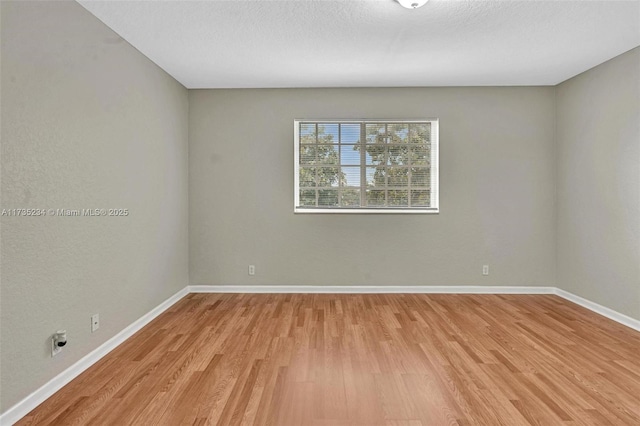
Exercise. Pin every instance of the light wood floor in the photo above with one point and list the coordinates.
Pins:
(410, 360)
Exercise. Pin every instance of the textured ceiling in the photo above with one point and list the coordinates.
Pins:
(372, 43)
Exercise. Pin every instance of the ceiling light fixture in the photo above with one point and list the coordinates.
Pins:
(412, 4)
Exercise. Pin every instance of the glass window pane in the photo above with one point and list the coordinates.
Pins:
(398, 198)
(350, 133)
(397, 176)
(327, 197)
(376, 133)
(375, 197)
(327, 153)
(328, 176)
(420, 133)
(419, 155)
(350, 197)
(376, 176)
(350, 154)
(307, 133)
(307, 154)
(420, 176)
(307, 197)
(420, 198)
(327, 133)
(307, 176)
(398, 133)
(398, 155)
(368, 159)
(376, 154)
(351, 176)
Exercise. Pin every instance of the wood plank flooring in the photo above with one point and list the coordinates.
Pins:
(385, 359)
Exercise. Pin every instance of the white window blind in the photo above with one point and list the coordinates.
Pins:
(366, 166)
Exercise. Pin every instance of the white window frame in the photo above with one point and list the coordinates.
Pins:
(434, 188)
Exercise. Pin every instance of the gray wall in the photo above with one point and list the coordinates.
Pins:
(598, 184)
(497, 205)
(87, 122)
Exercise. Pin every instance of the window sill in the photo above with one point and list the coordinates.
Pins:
(365, 211)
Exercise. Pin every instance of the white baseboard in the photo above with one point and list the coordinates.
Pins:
(369, 289)
(23, 407)
(599, 309)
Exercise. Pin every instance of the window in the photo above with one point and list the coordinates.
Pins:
(366, 166)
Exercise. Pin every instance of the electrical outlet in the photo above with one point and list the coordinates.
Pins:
(95, 322)
(58, 341)
(55, 349)
(252, 269)
(485, 269)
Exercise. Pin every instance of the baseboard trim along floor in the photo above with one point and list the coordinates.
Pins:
(599, 309)
(22, 408)
(305, 289)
